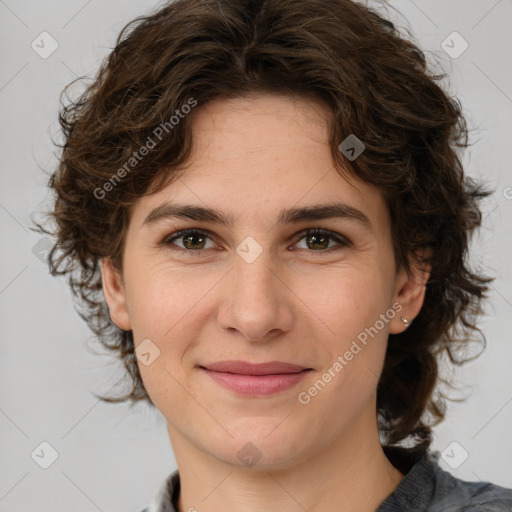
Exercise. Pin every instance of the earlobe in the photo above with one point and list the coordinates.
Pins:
(410, 294)
(115, 294)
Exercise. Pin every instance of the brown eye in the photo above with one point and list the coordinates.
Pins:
(319, 240)
(315, 240)
(194, 241)
(190, 240)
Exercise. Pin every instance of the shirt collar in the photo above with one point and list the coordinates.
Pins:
(417, 480)
(167, 495)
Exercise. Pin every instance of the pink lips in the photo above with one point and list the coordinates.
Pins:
(255, 379)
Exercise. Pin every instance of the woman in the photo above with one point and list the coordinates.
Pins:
(261, 210)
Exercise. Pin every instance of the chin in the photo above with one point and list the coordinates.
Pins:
(261, 451)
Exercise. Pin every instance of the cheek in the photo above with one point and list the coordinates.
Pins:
(334, 305)
(161, 310)
(168, 307)
(339, 302)
(350, 304)
(346, 300)
(160, 299)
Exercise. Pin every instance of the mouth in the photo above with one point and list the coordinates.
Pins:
(255, 379)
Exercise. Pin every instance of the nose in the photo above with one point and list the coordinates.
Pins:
(257, 302)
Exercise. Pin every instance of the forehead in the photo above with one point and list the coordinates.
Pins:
(254, 156)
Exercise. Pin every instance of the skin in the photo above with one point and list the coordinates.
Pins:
(296, 302)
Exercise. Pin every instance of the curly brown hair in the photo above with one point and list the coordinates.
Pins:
(377, 85)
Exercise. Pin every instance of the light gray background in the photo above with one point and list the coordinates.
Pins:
(111, 457)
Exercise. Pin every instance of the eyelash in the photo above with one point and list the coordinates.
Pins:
(341, 240)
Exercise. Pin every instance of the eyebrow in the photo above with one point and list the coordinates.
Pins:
(169, 210)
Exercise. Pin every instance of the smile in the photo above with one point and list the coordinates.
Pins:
(256, 385)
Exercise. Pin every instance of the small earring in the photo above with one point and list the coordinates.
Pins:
(404, 320)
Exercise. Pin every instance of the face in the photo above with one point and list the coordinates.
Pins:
(264, 272)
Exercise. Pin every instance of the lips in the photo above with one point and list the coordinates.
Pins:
(254, 380)
(245, 368)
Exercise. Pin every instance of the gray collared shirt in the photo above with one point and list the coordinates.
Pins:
(425, 488)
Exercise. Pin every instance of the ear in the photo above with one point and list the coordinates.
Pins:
(115, 295)
(410, 291)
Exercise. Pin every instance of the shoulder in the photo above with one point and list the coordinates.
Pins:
(451, 494)
(476, 497)
(426, 487)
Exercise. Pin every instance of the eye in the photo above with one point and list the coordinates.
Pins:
(191, 240)
(315, 240)
(319, 240)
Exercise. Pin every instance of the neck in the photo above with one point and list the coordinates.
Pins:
(351, 474)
